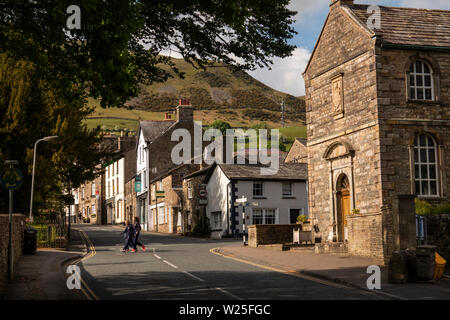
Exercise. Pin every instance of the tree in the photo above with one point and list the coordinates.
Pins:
(47, 71)
(120, 42)
(30, 110)
(221, 125)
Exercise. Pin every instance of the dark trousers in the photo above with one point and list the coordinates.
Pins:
(128, 242)
(136, 242)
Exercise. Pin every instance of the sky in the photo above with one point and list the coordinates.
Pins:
(286, 74)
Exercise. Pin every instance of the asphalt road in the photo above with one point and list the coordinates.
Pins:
(175, 267)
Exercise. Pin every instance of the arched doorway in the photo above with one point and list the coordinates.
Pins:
(343, 205)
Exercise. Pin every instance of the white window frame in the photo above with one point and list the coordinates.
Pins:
(262, 189)
(190, 191)
(427, 163)
(264, 215)
(423, 87)
(290, 189)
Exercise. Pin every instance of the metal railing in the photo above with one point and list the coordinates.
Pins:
(51, 233)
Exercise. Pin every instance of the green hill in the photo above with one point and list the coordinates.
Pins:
(215, 93)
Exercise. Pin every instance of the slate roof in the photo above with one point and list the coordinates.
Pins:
(153, 129)
(287, 171)
(409, 26)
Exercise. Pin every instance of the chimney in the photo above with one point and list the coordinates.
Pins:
(185, 112)
(339, 3)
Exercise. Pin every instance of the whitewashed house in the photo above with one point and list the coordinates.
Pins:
(115, 191)
(275, 199)
(148, 132)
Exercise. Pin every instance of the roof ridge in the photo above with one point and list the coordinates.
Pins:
(403, 8)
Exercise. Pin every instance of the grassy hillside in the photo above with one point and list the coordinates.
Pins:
(215, 93)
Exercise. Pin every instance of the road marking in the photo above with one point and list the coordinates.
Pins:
(229, 294)
(192, 276)
(157, 256)
(306, 277)
(92, 252)
(172, 265)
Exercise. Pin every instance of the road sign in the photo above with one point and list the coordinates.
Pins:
(241, 200)
(11, 178)
(202, 202)
(137, 186)
(202, 193)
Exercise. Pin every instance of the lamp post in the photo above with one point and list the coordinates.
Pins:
(32, 176)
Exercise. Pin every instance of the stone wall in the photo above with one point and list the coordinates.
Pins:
(266, 234)
(438, 233)
(18, 227)
(364, 235)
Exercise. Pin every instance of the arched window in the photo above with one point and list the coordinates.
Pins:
(426, 165)
(421, 85)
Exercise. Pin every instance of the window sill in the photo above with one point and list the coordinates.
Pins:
(289, 197)
(436, 198)
(410, 102)
(261, 198)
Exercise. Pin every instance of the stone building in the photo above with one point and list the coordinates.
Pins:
(156, 142)
(91, 195)
(378, 124)
(130, 179)
(166, 204)
(193, 203)
(298, 152)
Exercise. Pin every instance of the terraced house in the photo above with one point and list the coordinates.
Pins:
(378, 120)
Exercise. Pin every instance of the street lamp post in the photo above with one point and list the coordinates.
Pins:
(32, 176)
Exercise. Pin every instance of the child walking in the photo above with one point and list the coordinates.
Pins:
(128, 235)
(137, 229)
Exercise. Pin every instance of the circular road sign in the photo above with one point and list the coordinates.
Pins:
(11, 178)
(202, 193)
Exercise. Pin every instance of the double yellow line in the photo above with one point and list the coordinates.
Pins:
(90, 295)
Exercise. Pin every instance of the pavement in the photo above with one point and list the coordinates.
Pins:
(347, 270)
(41, 276)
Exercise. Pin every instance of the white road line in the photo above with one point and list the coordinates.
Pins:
(172, 265)
(195, 277)
(229, 294)
(157, 256)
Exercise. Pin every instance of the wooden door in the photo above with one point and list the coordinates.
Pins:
(345, 206)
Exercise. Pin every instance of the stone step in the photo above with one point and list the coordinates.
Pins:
(331, 247)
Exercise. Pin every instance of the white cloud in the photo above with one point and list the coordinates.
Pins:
(286, 74)
(306, 7)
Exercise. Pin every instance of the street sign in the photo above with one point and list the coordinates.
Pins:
(11, 178)
(241, 200)
(202, 193)
(137, 186)
(202, 202)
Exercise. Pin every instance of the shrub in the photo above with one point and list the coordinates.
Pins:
(442, 209)
(302, 218)
(221, 125)
(423, 207)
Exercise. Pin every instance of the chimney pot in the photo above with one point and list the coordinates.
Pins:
(184, 102)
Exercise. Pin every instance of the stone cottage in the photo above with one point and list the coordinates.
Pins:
(378, 124)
